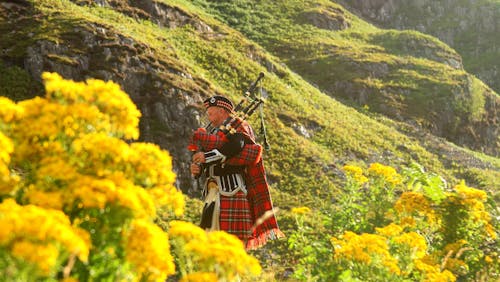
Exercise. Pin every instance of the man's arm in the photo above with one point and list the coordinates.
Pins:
(234, 145)
(249, 155)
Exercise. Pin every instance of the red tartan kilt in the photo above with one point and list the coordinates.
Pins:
(235, 217)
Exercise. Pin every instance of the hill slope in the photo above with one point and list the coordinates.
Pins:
(470, 27)
(405, 75)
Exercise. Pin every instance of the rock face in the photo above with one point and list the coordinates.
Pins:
(330, 19)
(471, 27)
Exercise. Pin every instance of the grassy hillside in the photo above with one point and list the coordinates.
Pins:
(406, 75)
(470, 27)
(213, 49)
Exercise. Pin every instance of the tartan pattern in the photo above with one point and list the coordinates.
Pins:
(260, 201)
(259, 198)
(235, 217)
(207, 141)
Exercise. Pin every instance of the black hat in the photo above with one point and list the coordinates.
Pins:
(219, 101)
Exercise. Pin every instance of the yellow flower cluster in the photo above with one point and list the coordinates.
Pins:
(115, 189)
(389, 230)
(67, 149)
(143, 163)
(43, 255)
(7, 180)
(455, 247)
(414, 241)
(36, 234)
(121, 111)
(368, 249)
(388, 173)
(148, 249)
(408, 244)
(473, 200)
(44, 199)
(216, 252)
(9, 111)
(470, 196)
(356, 173)
(451, 253)
(160, 180)
(415, 203)
(432, 272)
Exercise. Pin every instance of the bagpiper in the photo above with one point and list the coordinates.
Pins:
(236, 193)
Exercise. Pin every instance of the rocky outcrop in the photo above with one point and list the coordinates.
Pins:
(330, 19)
(471, 27)
(466, 113)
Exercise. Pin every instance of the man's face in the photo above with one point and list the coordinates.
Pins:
(217, 115)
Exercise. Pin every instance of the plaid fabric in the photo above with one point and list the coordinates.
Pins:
(235, 217)
(207, 141)
(259, 198)
(260, 202)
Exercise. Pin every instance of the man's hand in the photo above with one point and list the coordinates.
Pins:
(195, 169)
(199, 158)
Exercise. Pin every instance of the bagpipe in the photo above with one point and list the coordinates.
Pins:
(209, 137)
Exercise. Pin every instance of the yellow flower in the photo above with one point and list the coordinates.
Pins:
(424, 267)
(470, 193)
(389, 230)
(148, 249)
(9, 111)
(356, 173)
(50, 200)
(218, 252)
(407, 221)
(51, 226)
(186, 231)
(415, 241)
(388, 173)
(413, 202)
(455, 246)
(200, 277)
(43, 255)
(122, 113)
(301, 210)
(7, 148)
(491, 231)
(352, 169)
(227, 252)
(445, 276)
(8, 180)
(365, 249)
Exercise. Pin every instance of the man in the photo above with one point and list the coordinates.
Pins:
(236, 192)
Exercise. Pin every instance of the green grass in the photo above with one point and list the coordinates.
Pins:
(17, 84)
